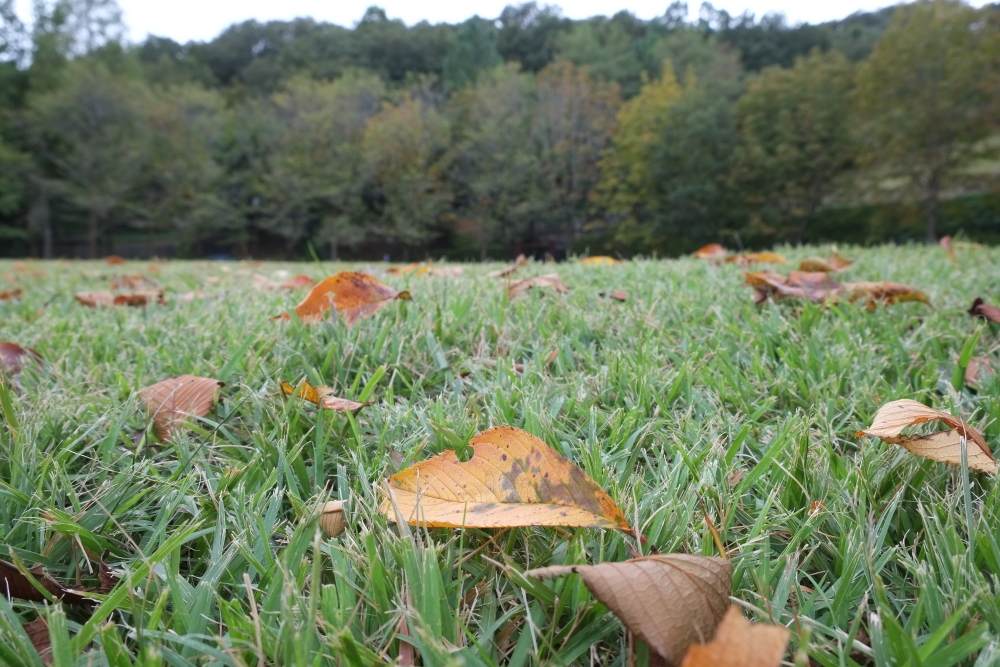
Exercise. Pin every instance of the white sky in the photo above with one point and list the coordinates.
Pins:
(184, 20)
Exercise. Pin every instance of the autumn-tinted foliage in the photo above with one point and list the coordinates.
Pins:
(354, 295)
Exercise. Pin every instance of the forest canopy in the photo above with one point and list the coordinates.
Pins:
(527, 132)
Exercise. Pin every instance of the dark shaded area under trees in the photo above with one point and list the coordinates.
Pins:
(529, 132)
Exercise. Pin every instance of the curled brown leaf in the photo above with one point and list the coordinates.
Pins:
(170, 402)
(548, 280)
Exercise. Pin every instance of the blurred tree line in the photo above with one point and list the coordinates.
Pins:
(530, 132)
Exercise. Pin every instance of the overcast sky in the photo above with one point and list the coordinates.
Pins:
(184, 20)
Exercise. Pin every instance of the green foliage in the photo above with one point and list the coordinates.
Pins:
(473, 52)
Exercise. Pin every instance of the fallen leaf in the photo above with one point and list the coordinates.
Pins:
(445, 271)
(945, 243)
(403, 270)
(552, 357)
(300, 281)
(139, 298)
(96, 299)
(812, 285)
(735, 477)
(11, 356)
(504, 272)
(14, 584)
(882, 292)
(600, 260)
(740, 643)
(512, 479)
(106, 575)
(354, 295)
(548, 280)
(617, 295)
(38, 635)
(11, 295)
(835, 264)
(946, 446)
(746, 259)
(133, 282)
(171, 401)
(978, 372)
(984, 310)
(114, 259)
(710, 251)
(321, 396)
(332, 519)
(521, 260)
(669, 601)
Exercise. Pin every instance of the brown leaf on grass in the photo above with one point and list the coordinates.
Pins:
(300, 281)
(600, 260)
(984, 310)
(746, 259)
(106, 575)
(740, 643)
(811, 285)
(38, 635)
(331, 520)
(96, 299)
(945, 243)
(835, 264)
(548, 280)
(521, 260)
(617, 295)
(710, 251)
(354, 295)
(114, 260)
(14, 584)
(133, 282)
(882, 292)
(504, 272)
(11, 295)
(322, 396)
(669, 601)
(12, 355)
(403, 270)
(172, 401)
(139, 299)
(946, 446)
(512, 479)
(978, 372)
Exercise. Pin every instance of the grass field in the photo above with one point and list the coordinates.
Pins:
(869, 554)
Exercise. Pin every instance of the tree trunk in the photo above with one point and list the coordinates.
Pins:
(93, 234)
(931, 204)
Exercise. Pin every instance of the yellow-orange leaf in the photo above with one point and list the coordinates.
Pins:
(669, 601)
(600, 260)
(548, 280)
(749, 258)
(739, 643)
(710, 251)
(512, 479)
(892, 418)
(13, 355)
(321, 396)
(354, 295)
(403, 270)
(172, 401)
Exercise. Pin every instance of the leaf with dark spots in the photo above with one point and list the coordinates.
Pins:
(501, 486)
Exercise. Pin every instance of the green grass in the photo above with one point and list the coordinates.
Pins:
(659, 399)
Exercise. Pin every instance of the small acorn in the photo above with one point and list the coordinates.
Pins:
(332, 519)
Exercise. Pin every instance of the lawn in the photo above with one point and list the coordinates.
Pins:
(693, 408)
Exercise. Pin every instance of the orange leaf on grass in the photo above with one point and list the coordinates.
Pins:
(512, 479)
(300, 281)
(984, 310)
(746, 259)
(548, 280)
(882, 292)
(403, 270)
(946, 446)
(114, 260)
(710, 251)
(139, 298)
(600, 260)
(322, 396)
(835, 264)
(12, 355)
(739, 643)
(669, 601)
(354, 295)
(10, 295)
(170, 402)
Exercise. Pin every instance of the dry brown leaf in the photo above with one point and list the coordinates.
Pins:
(332, 519)
(710, 251)
(139, 298)
(96, 299)
(600, 260)
(882, 292)
(512, 479)
(819, 286)
(11, 295)
(945, 243)
(739, 643)
(669, 601)
(548, 280)
(172, 401)
(300, 281)
(106, 575)
(979, 370)
(12, 355)
(354, 295)
(14, 584)
(403, 270)
(746, 259)
(946, 446)
(114, 260)
(521, 260)
(984, 310)
(38, 635)
(504, 272)
(617, 295)
(321, 396)
(835, 264)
